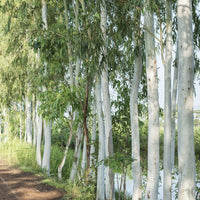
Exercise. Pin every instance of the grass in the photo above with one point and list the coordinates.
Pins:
(20, 154)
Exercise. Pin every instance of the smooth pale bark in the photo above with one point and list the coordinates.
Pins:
(28, 128)
(77, 154)
(39, 135)
(65, 154)
(93, 138)
(137, 181)
(34, 122)
(110, 195)
(167, 177)
(47, 147)
(20, 121)
(186, 156)
(84, 156)
(0, 124)
(101, 154)
(47, 123)
(71, 83)
(6, 124)
(153, 107)
(174, 97)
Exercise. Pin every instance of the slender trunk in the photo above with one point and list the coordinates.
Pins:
(47, 147)
(77, 154)
(110, 195)
(28, 129)
(93, 137)
(93, 141)
(47, 123)
(34, 123)
(0, 127)
(137, 181)
(153, 107)
(39, 135)
(71, 83)
(6, 124)
(174, 97)
(186, 156)
(84, 156)
(135, 128)
(65, 155)
(20, 121)
(167, 178)
(101, 154)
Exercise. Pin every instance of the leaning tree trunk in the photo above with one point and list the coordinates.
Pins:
(107, 109)
(71, 83)
(167, 178)
(153, 107)
(186, 156)
(77, 155)
(101, 154)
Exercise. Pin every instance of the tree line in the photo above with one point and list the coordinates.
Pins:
(60, 61)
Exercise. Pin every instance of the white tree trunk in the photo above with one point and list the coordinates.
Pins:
(167, 178)
(28, 130)
(0, 128)
(186, 156)
(174, 97)
(6, 124)
(34, 123)
(137, 181)
(110, 195)
(93, 137)
(71, 83)
(20, 121)
(101, 153)
(47, 123)
(83, 163)
(47, 147)
(39, 135)
(65, 154)
(77, 154)
(153, 108)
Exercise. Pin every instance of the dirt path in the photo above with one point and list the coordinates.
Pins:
(18, 185)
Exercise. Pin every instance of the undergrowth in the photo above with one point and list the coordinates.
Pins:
(20, 154)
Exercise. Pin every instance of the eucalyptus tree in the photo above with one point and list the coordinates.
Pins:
(167, 182)
(153, 106)
(186, 156)
(71, 84)
(28, 127)
(101, 149)
(174, 107)
(106, 106)
(137, 180)
(47, 123)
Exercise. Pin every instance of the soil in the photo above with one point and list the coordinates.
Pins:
(18, 185)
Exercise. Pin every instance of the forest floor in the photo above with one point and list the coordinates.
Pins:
(16, 184)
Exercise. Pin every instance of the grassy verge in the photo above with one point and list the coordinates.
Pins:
(19, 154)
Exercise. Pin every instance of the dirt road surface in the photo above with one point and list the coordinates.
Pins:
(18, 185)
